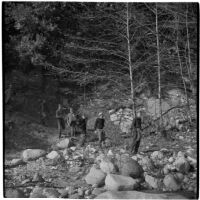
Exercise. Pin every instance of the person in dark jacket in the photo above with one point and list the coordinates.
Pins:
(71, 121)
(60, 113)
(98, 127)
(137, 133)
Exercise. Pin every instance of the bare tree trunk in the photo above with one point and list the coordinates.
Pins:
(129, 54)
(158, 61)
(181, 71)
(188, 41)
(130, 74)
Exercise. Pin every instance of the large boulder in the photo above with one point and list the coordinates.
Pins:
(64, 143)
(138, 195)
(32, 154)
(171, 183)
(119, 182)
(53, 155)
(107, 166)
(129, 167)
(152, 182)
(182, 165)
(95, 176)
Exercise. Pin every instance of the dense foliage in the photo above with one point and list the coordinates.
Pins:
(85, 44)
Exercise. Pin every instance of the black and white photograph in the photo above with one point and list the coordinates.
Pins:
(100, 99)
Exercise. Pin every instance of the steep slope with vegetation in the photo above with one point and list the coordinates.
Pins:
(109, 57)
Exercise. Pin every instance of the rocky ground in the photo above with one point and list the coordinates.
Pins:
(38, 164)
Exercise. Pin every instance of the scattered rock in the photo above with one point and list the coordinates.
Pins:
(119, 182)
(26, 181)
(179, 177)
(74, 196)
(14, 193)
(64, 194)
(130, 167)
(157, 155)
(64, 143)
(98, 191)
(32, 154)
(171, 183)
(182, 165)
(81, 192)
(110, 153)
(171, 159)
(51, 193)
(73, 148)
(192, 161)
(107, 166)
(37, 192)
(16, 161)
(53, 155)
(138, 195)
(37, 178)
(153, 182)
(95, 176)
(87, 192)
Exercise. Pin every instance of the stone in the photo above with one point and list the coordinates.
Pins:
(171, 159)
(16, 161)
(81, 192)
(74, 196)
(110, 153)
(37, 178)
(64, 143)
(192, 161)
(119, 182)
(98, 191)
(153, 182)
(14, 193)
(107, 166)
(182, 165)
(95, 176)
(181, 137)
(51, 193)
(26, 181)
(87, 192)
(53, 155)
(146, 163)
(138, 195)
(157, 155)
(64, 194)
(37, 192)
(32, 154)
(179, 176)
(180, 154)
(73, 148)
(171, 183)
(130, 167)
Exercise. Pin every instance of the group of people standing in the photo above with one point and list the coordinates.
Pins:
(78, 123)
(75, 122)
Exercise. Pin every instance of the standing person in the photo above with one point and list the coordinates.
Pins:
(44, 110)
(71, 121)
(60, 118)
(137, 133)
(98, 127)
(83, 124)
